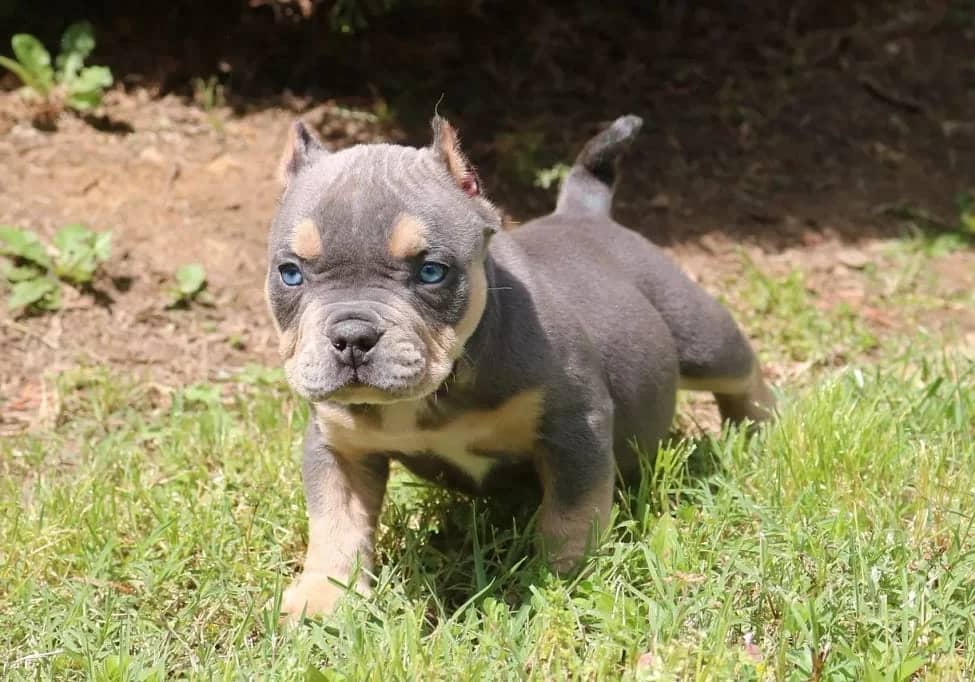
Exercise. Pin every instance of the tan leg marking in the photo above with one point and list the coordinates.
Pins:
(739, 398)
(340, 534)
(407, 237)
(565, 532)
(306, 241)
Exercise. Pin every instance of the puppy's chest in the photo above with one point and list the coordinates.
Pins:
(439, 444)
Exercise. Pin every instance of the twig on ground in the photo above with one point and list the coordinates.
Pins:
(27, 332)
(889, 96)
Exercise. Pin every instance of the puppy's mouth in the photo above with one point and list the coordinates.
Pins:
(358, 393)
(352, 386)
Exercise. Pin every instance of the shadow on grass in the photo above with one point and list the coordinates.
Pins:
(458, 550)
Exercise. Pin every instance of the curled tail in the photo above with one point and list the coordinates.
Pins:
(588, 188)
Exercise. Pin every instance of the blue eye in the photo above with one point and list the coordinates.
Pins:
(432, 273)
(291, 274)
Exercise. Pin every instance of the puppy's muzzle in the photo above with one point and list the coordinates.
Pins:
(352, 340)
(352, 334)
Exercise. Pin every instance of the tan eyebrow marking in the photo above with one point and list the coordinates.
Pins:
(306, 242)
(408, 237)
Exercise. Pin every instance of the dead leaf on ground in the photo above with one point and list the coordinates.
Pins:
(853, 258)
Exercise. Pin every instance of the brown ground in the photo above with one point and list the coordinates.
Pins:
(796, 143)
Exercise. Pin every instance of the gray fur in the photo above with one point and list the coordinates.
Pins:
(579, 307)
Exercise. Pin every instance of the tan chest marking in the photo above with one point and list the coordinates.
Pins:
(512, 427)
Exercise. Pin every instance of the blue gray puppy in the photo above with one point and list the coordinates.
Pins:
(486, 359)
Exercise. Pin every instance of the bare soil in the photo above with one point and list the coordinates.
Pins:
(801, 144)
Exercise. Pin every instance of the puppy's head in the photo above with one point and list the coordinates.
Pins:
(376, 275)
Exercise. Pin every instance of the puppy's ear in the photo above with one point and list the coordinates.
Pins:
(303, 148)
(446, 145)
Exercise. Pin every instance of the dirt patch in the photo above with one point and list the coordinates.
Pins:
(792, 147)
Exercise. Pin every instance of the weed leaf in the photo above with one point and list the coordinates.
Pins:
(86, 90)
(79, 252)
(14, 273)
(35, 60)
(24, 245)
(190, 279)
(17, 70)
(30, 292)
(78, 40)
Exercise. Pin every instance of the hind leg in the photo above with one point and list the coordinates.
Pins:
(739, 397)
(715, 356)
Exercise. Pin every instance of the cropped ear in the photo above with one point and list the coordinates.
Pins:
(303, 148)
(446, 144)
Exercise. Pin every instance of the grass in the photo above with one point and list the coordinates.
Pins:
(148, 537)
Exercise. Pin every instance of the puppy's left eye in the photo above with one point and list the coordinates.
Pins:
(291, 274)
(432, 273)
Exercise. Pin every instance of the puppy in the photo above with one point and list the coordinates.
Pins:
(420, 331)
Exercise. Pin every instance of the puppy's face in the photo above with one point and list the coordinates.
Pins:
(376, 274)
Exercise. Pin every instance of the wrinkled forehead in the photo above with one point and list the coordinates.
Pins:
(358, 198)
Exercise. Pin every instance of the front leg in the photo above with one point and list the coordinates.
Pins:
(344, 497)
(578, 475)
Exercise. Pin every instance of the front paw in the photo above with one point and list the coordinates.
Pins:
(563, 557)
(314, 594)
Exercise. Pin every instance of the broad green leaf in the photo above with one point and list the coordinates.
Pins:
(907, 669)
(78, 40)
(103, 246)
(79, 252)
(86, 89)
(83, 101)
(190, 279)
(31, 291)
(68, 68)
(94, 77)
(36, 61)
(23, 244)
(20, 273)
(313, 674)
(52, 301)
(17, 70)
(72, 237)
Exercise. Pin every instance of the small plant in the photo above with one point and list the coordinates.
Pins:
(546, 178)
(518, 154)
(208, 93)
(68, 83)
(966, 213)
(209, 96)
(79, 252)
(191, 282)
(935, 236)
(34, 272)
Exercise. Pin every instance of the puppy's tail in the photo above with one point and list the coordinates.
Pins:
(588, 188)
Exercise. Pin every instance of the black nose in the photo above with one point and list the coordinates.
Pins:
(353, 339)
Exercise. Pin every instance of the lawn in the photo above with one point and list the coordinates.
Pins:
(810, 163)
(148, 532)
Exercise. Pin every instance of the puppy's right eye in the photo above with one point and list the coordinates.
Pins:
(291, 274)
